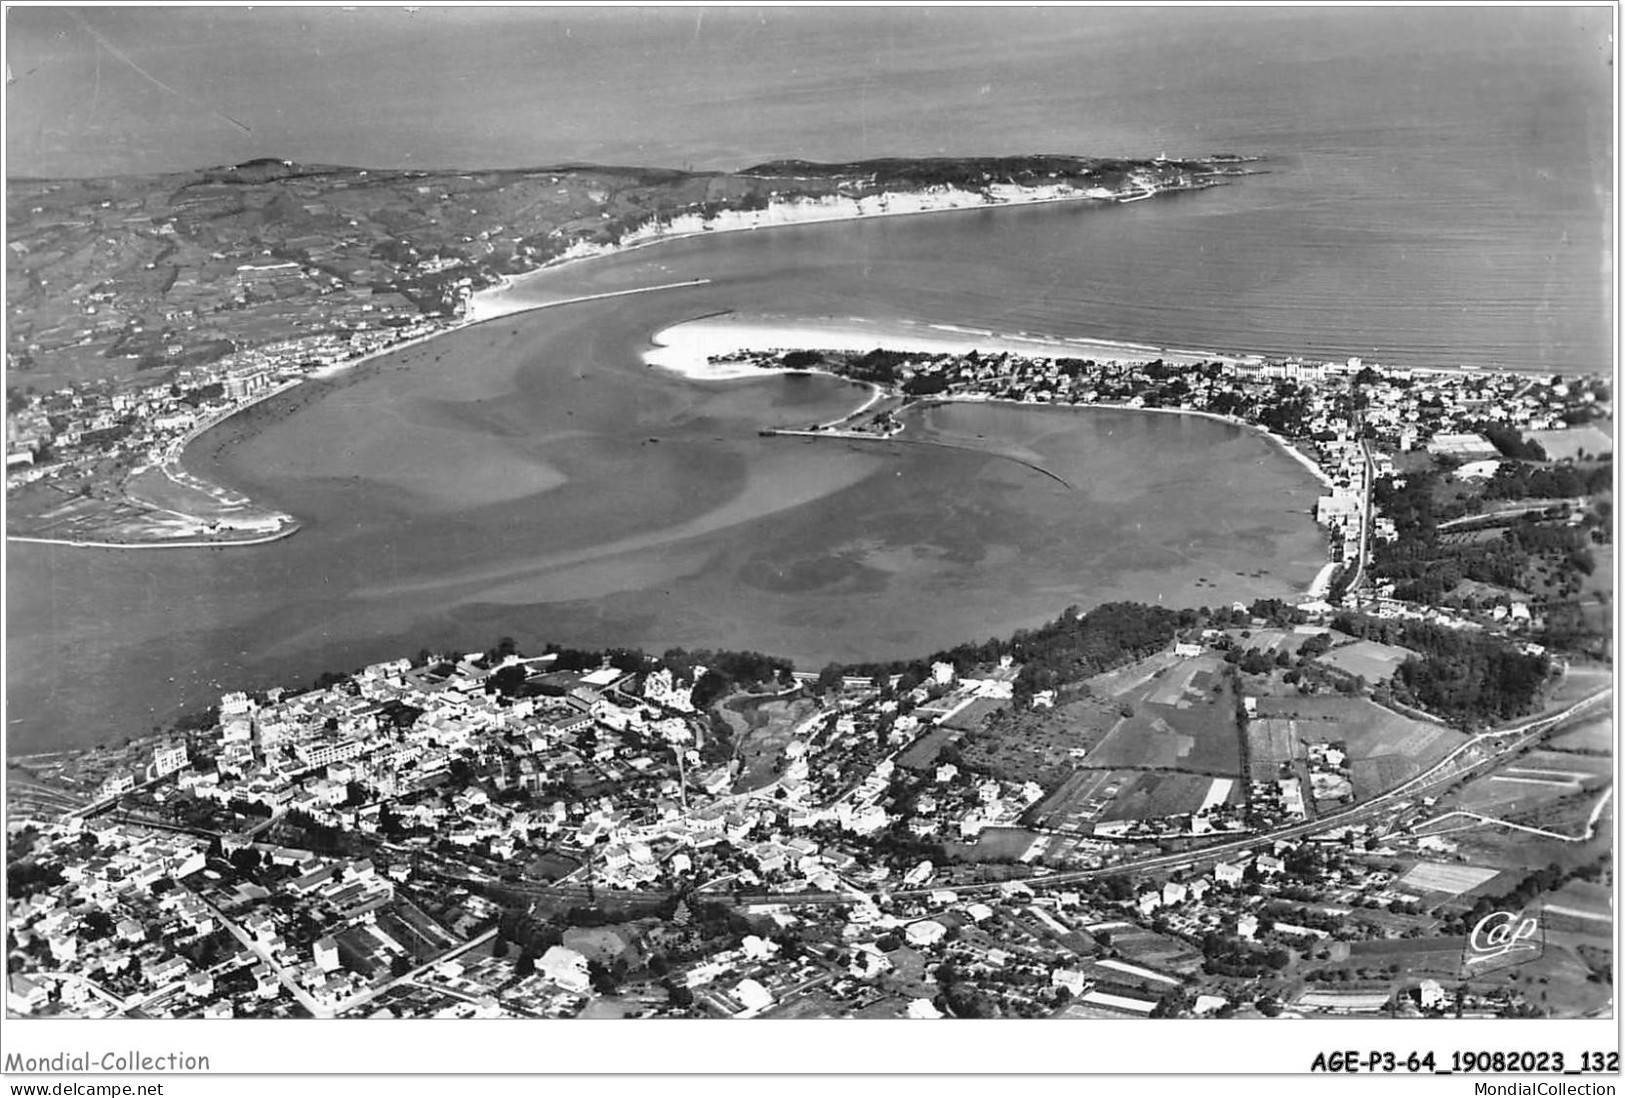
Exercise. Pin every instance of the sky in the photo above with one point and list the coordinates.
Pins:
(117, 90)
(110, 90)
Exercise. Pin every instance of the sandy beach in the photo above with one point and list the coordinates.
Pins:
(506, 298)
(689, 348)
(700, 350)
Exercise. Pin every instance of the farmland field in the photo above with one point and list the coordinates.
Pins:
(1274, 640)
(1147, 947)
(1446, 877)
(994, 844)
(1560, 765)
(1374, 662)
(1116, 683)
(1415, 956)
(1042, 746)
(1080, 800)
(1153, 796)
(971, 717)
(1272, 741)
(1186, 682)
(1581, 907)
(922, 753)
(1184, 720)
(1582, 679)
(1384, 748)
(1593, 736)
(1567, 443)
(1141, 740)
(1535, 780)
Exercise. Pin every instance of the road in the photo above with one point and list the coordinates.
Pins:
(254, 946)
(1585, 836)
(1522, 734)
(1366, 482)
(1525, 732)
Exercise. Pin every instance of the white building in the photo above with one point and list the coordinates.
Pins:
(565, 967)
(168, 760)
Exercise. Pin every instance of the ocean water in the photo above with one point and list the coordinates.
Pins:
(1439, 193)
(1442, 187)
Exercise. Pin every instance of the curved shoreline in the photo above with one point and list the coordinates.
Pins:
(264, 539)
(492, 303)
(810, 335)
(668, 353)
(830, 216)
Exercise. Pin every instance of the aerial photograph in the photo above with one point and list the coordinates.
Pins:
(570, 512)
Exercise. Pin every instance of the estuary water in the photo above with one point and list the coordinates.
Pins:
(531, 477)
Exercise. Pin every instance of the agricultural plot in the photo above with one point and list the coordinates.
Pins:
(970, 718)
(1581, 908)
(1042, 746)
(1151, 796)
(1372, 661)
(1446, 877)
(1272, 741)
(1147, 947)
(1185, 720)
(995, 844)
(1383, 747)
(1272, 641)
(922, 753)
(1562, 765)
(1415, 956)
(1568, 443)
(1080, 800)
(1510, 798)
(1052, 850)
(1594, 736)
(1188, 682)
(1141, 740)
(1581, 680)
(1113, 684)
(1534, 781)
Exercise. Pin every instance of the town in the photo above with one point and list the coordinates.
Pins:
(1367, 431)
(1257, 811)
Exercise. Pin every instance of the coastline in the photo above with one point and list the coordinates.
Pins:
(496, 302)
(173, 465)
(264, 539)
(688, 349)
(787, 215)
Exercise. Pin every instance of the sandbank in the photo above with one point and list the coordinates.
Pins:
(689, 348)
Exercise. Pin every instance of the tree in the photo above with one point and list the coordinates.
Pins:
(603, 981)
(829, 678)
